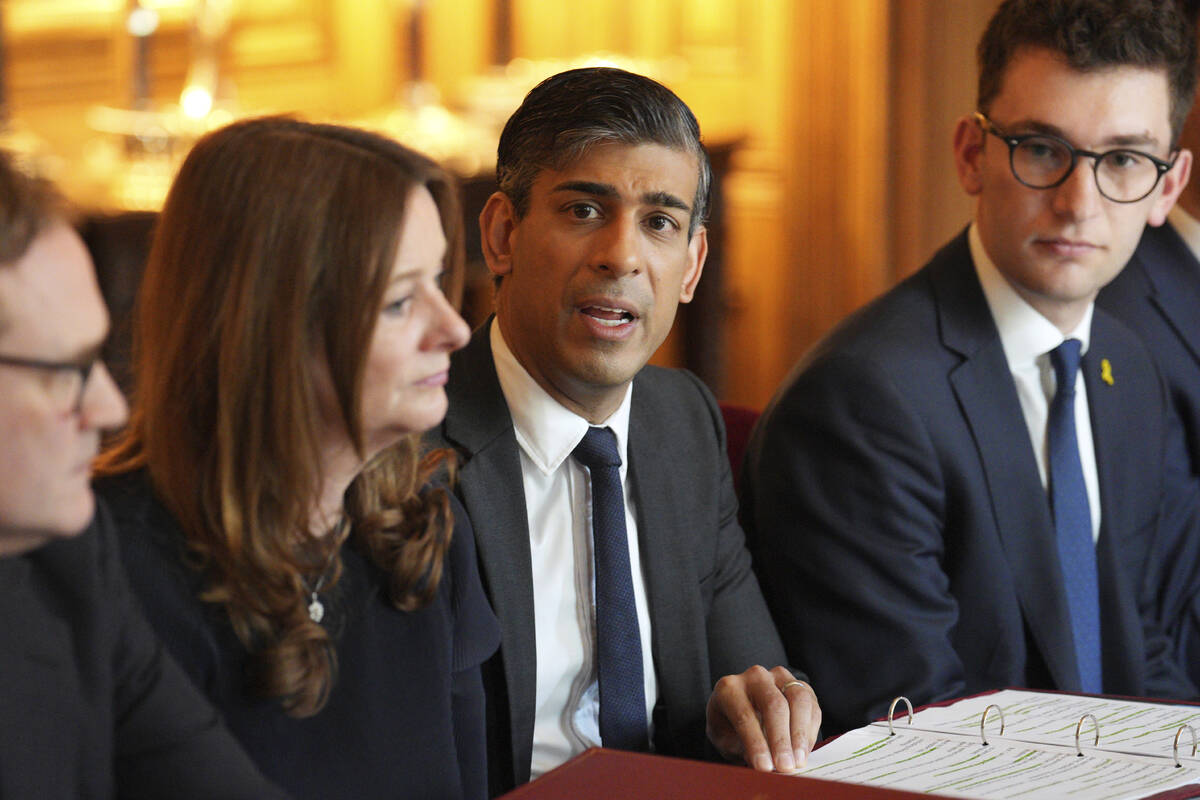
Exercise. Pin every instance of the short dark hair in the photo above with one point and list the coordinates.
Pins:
(568, 113)
(1094, 34)
(28, 204)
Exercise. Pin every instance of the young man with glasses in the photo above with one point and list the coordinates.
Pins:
(933, 515)
(91, 706)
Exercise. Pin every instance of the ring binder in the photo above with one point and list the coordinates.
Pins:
(892, 711)
(983, 721)
(1175, 747)
(952, 748)
(1079, 727)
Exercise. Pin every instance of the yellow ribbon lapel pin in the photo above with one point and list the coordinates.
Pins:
(1106, 371)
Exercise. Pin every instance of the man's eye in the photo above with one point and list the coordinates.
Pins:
(1124, 159)
(1043, 150)
(662, 223)
(584, 211)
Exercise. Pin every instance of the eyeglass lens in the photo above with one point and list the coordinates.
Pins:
(65, 382)
(1042, 162)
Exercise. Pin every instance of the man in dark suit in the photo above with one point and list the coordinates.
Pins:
(595, 237)
(91, 706)
(1157, 294)
(961, 488)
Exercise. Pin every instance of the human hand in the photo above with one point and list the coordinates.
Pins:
(765, 717)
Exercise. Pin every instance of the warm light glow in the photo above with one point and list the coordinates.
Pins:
(142, 21)
(196, 102)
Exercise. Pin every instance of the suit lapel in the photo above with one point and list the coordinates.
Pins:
(1174, 292)
(984, 387)
(1110, 413)
(479, 425)
(664, 528)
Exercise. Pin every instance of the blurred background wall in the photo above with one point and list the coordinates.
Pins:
(831, 120)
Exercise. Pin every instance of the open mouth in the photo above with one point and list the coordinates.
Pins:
(609, 317)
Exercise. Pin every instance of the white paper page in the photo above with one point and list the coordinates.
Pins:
(959, 765)
(1125, 726)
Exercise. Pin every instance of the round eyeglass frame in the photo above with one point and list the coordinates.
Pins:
(84, 371)
(1013, 142)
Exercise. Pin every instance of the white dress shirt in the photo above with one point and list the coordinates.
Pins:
(559, 505)
(1187, 226)
(1028, 338)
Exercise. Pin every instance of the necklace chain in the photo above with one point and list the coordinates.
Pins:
(316, 608)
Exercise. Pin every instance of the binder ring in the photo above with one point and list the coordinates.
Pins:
(1079, 728)
(1175, 748)
(983, 721)
(892, 711)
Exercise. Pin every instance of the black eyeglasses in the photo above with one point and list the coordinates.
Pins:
(67, 380)
(1043, 161)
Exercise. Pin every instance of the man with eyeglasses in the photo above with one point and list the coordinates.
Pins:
(966, 485)
(91, 706)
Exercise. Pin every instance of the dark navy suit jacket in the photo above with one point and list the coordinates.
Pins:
(901, 532)
(1158, 296)
(707, 614)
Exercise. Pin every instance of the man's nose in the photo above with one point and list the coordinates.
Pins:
(102, 406)
(1078, 197)
(618, 248)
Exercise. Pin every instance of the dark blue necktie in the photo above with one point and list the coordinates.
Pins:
(618, 639)
(1073, 518)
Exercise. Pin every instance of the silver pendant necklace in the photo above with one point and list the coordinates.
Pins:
(316, 608)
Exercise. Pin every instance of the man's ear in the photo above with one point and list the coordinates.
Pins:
(1173, 181)
(697, 253)
(968, 149)
(497, 222)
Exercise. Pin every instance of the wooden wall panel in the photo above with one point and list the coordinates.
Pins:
(835, 168)
(932, 84)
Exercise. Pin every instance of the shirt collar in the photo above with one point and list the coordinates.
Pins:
(545, 430)
(1024, 333)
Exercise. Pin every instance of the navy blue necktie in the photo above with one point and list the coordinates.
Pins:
(1073, 518)
(618, 639)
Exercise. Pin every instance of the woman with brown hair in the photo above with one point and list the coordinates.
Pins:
(291, 344)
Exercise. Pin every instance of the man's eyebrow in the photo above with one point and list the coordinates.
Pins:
(597, 189)
(1142, 140)
(587, 187)
(665, 199)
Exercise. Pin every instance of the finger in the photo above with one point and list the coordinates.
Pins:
(737, 698)
(720, 730)
(805, 719)
(792, 731)
(775, 713)
(771, 728)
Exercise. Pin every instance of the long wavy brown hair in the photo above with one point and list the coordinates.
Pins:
(269, 262)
